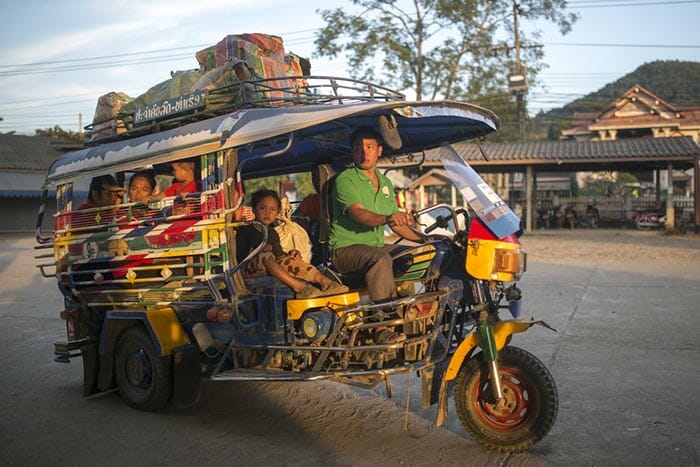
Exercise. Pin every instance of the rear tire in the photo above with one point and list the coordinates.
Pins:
(531, 401)
(643, 224)
(143, 377)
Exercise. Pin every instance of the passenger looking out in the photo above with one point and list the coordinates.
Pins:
(287, 267)
(184, 183)
(104, 191)
(141, 187)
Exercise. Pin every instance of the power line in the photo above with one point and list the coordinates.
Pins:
(591, 44)
(96, 66)
(100, 57)
(616, 3)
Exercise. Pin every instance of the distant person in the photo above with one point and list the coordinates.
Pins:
(287, 267)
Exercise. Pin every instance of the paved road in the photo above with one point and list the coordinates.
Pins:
(626, 360)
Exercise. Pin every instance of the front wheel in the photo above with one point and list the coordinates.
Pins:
(530, 401)
(143, 377)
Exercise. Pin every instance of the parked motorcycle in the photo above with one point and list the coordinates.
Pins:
(570, 218)
(543, 218)
(591, 219)
(649, 220)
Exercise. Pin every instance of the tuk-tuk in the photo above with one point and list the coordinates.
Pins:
(155, 299)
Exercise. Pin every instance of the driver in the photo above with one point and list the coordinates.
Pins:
(363, 202)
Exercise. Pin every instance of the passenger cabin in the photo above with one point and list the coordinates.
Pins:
(181, 249)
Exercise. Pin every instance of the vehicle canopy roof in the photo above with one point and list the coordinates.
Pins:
(296, 135)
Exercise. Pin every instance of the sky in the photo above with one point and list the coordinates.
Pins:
(58, 57)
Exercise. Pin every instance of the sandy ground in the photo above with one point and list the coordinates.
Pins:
(612, 247)
(625, 359)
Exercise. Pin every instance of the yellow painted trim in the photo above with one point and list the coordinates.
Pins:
(501, 331)
(167, 329)
(296, 307)
(424, 258)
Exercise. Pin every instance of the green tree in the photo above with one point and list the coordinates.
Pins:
(59, 134)
(449, 49)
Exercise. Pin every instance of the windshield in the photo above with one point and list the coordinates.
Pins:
(486, 204)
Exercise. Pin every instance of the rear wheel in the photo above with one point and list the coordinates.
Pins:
(643, 224)
(143, 377)
(530, 406)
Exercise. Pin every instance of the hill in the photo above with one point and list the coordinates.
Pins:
(676, 82)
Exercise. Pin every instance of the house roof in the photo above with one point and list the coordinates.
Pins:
(636, 108)
(20, 153)
(24, 162)
(558, 156)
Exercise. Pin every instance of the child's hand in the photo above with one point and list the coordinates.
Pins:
(266, 248)
(296, 254)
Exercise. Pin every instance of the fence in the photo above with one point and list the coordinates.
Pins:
(621, 209)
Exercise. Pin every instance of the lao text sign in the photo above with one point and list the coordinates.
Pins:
(170, 107)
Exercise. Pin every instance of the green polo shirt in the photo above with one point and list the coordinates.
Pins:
(352, 186)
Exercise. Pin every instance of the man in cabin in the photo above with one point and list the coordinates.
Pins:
(363, 203)
(104, 191)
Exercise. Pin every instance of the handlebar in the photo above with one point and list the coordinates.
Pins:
(440, 221)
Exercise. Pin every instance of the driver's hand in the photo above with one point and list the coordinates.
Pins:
(400, 218)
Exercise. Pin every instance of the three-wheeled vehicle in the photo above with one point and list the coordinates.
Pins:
(155, 299)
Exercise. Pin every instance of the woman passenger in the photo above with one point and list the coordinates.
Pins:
(141, 187)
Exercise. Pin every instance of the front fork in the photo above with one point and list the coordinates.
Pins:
(488, 343)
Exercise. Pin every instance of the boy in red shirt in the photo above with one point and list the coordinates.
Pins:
(184, 180)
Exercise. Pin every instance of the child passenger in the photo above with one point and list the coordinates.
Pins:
(288, 267)
(184, 180)
(184, 183)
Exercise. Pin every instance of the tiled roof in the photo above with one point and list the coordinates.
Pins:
(647, 121)
(562, 153)
(27, 153)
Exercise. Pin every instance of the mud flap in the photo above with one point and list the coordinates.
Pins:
(91, 368)
(431, 381)
(187, 376)
(442, 404)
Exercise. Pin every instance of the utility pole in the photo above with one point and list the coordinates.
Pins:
(517, 84)
(517, 80)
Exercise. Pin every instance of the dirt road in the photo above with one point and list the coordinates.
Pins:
(626, 359)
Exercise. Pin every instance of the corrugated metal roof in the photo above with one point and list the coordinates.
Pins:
(649, 150)
(27, 153)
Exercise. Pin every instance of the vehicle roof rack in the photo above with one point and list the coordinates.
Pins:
(199, 105)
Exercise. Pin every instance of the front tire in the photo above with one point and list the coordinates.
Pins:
(531, 401)
(143, 377)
